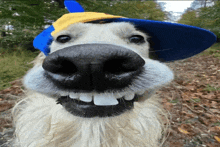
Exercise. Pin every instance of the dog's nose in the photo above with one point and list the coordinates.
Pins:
(88, 67)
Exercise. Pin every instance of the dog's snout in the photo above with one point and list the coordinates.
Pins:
(96, 67)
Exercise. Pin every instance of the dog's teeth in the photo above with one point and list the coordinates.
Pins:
(129, 96)
(73, 96)
(118, 95)
(63, 93)
(140, 92)
(105, 100)
(86, 97)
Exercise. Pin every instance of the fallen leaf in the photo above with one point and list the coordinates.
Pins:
(203, 120)
(192, 88)
(190, 115)
(198, 94)
(168, 106)
(215, 110)
(217, 138)
(210, 96)
(5, 106)
(183, 131)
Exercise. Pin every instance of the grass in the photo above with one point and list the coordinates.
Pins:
(14, 63)
(196, 100)
(174, 101)
(217, 124)
(210, 88)
(213, 50)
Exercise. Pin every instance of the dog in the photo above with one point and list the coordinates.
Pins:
(94, 83)
(95, 89)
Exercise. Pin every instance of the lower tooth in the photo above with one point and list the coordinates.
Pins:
(129, 97)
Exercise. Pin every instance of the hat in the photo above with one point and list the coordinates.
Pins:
(172, 41)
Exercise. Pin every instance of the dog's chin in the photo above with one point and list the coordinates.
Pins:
(89, 109)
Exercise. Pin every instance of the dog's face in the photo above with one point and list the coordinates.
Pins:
(98, 69)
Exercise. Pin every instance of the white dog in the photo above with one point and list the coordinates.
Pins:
(95, 86)
(93, 90)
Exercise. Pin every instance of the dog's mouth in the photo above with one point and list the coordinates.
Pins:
(99, 105)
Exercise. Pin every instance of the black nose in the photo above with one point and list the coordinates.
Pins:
(93, 67)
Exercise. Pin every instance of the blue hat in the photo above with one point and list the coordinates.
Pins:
(172, 41)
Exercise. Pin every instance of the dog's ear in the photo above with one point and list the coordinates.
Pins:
(72, 6)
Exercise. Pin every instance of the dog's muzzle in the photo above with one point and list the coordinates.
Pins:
(93, 68)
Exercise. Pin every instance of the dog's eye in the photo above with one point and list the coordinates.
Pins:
(63, 38)
(137, 39)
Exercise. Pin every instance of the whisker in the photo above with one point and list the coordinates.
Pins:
(159, 50)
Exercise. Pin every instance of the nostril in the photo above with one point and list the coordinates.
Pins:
(120, 65)
(114, 66)
(59, 66)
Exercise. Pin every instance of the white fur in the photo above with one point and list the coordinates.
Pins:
(47, 124)
(40, 122)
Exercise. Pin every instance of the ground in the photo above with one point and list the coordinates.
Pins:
(192, 100)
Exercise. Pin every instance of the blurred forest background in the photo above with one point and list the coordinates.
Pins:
(206, 16)
(22, 20)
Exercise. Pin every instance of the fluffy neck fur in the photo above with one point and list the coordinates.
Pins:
(41, 122)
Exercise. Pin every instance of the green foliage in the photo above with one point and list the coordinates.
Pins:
(174, 101)
(217, 124)
(196, 100)
(14, 64)
(32, 14)
(210, 18)
(190, 18)
(210, 88)
(207, 17)
(30, 21)
(132, 9)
